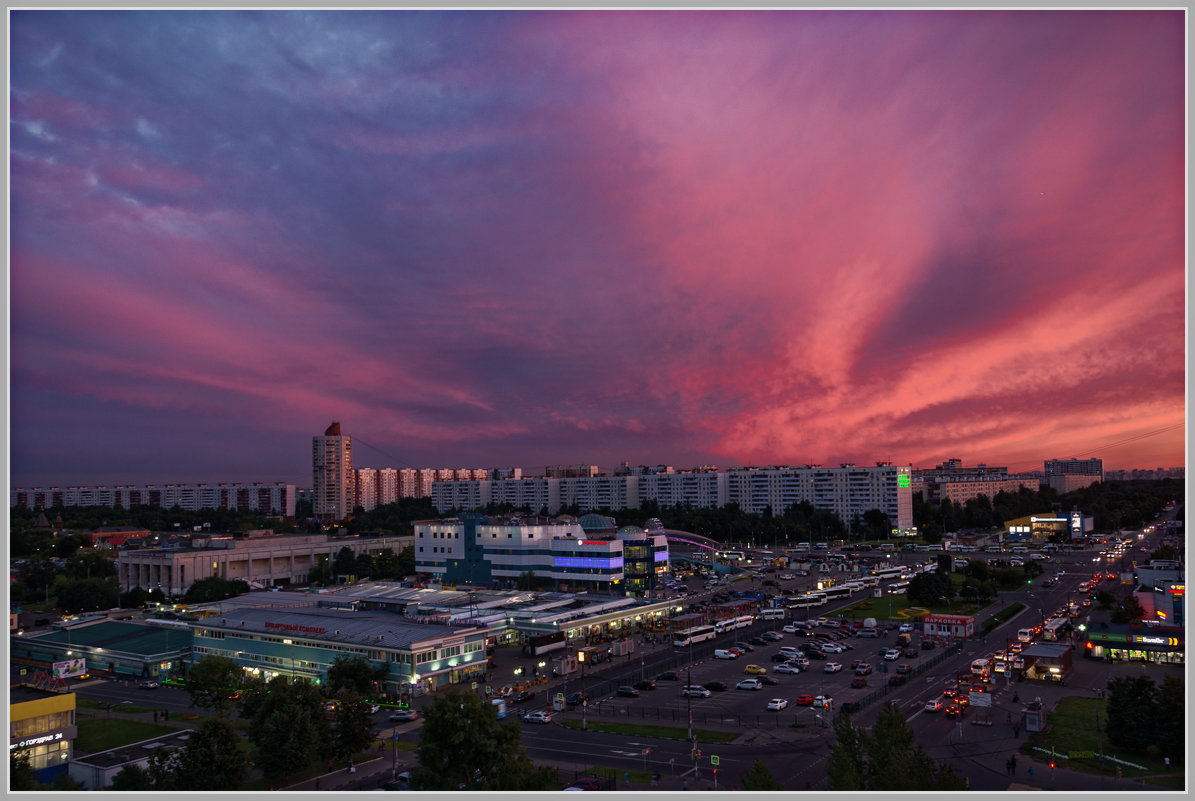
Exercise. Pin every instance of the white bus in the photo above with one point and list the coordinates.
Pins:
(898, 587)
(772, 614)
(869, 582)
(887, 573)
(836, 592)
(1053, 629)
(693, 635)
(1025, 635)
(806, 601)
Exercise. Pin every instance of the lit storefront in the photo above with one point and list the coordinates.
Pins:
(1120, 643)
(42, 725)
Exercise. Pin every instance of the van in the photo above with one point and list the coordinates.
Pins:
(981, 667)
(868, 632)
(1020, 549)
(721, 653)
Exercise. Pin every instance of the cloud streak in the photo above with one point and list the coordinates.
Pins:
(496, 238)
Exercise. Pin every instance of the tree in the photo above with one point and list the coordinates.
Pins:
(352, 730)
(526, 581)
(214, 588)
(214, 758)
(353, 673)
(289, 727)
(20, 771)
(846, 767)
(1170, 728)
(877, 524)
(211, 681)
(345, 563)
(386, 564)
(759, 778)
(1132, 712)
(87, 595)
(463, 745)
(885, 759)
(1128, 610)
(406, 561)
(927, 589)
(134, 598)
(131, 778)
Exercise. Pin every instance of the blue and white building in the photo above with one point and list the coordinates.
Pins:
(472, 549)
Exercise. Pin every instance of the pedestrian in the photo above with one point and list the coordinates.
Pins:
(1008, 766)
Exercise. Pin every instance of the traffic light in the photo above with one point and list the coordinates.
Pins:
(1051, 766)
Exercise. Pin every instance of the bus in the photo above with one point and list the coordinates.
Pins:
(898, 587)
(1053, 630)
(693, 635)
(545, 643)
(732, 623)
(806, 601)
(887, 573)
(839, 591)
(772, 614)
(1025, 635)
(869, 582)
(732, 555)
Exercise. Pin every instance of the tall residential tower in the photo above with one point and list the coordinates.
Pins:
(333, 482)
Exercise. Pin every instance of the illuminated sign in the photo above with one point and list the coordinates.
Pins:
(69, 668)
(32, 741)
(292, 627)
(903, 480)
(593, 542)
(1047, 520)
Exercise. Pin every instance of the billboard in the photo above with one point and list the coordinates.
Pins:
(69, 668)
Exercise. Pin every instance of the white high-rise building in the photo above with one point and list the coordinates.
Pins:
(332, 474)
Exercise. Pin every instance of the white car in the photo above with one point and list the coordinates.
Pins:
(832, 667)
(787, 577)
(822, 701)
(696, 691)
(777, 704)
(793, 628)
(749, 684)
(933, 706)
(537, 717)
(787, 667)
(906, 628)
(834, 647)
(892, 654)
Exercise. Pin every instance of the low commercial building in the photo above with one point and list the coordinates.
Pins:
(96, 771)
(112, 648)
(41, 724)
(260, 558)
(1115, 642)
(1047, 661)
(947, 627)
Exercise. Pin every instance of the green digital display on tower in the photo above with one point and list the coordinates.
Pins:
(903, 480)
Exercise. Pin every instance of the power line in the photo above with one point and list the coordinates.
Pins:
(1146, 435)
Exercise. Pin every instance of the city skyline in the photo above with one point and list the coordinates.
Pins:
(495, 238)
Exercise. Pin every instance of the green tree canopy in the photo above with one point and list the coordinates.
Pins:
(463, 745)
(210, 682)
(886, 759)
(289, 727)
(214, 758)
(758, 777)
(355, 673)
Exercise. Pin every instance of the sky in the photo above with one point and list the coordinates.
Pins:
(524, 238)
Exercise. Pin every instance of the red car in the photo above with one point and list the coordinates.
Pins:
(858, 681)
(804, 700)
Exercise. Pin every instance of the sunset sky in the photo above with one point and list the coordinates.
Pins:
(490, 239)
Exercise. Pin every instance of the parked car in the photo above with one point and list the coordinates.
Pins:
(905, 628)
(928, 645)
(715, 686)
(627, 692)
(781, 657)
(822, 701)
(859, 681)
(754, 669)
(695, 691)
(787, 667)
(668, 675)
(901, 670)
(909, 653)
(832, 667)
(749, 684)
(745, 647)
(863, 669)
(804, 700)
(777, 704)
(538, 716)
(645, 684)
(772, 636)
(896, 681)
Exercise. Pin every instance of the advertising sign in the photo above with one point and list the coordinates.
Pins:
(69, 668)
